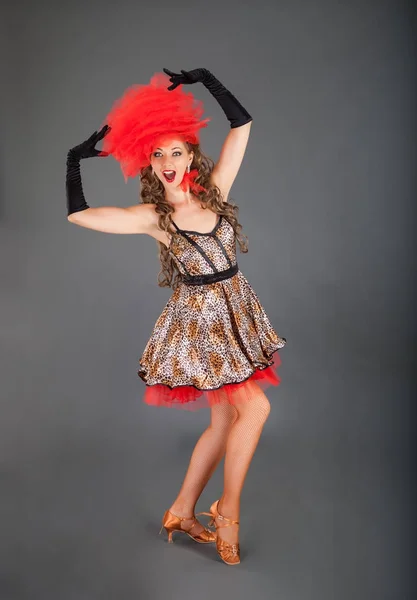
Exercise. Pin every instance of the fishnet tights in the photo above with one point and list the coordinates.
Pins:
(206, 455)
(234, 431)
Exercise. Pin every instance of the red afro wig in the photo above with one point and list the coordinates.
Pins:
(147, 114)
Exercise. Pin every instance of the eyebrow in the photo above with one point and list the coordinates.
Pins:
(174, 148)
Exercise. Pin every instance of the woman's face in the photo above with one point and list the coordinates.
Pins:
(169, 161)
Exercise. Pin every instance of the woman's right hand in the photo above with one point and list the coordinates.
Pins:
(74, 188)
(87, 148)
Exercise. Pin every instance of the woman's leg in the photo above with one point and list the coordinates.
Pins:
(207, 454)
(241, 445)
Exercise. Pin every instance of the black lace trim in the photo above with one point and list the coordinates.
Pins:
(210, 277)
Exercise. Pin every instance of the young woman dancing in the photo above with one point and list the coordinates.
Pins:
(213, 344)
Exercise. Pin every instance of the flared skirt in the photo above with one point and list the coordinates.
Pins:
(212, 343)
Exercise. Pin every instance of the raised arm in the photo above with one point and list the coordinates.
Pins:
(234, 147)
(231, 157)
(110, 219)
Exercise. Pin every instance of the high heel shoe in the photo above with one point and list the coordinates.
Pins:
(172, 523)
(229, 553)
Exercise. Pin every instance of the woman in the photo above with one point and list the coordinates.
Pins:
(213, 344)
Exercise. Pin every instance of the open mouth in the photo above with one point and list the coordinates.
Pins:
(169, 175)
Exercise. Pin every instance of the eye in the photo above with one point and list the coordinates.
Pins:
(177, 152)
(155, 154)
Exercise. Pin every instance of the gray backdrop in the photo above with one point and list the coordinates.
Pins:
(326, 196)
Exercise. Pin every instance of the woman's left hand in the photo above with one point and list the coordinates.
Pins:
(185, 77)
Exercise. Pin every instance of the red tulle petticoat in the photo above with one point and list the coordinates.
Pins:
(190, 398)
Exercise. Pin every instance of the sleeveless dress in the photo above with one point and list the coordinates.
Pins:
(213, 341)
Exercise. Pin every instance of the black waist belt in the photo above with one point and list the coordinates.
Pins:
(211, 277)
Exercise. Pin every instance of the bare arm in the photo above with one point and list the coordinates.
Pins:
(231, 157)
(140, 218)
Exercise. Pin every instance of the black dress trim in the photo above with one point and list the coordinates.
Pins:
(215, 228)
(210, 277)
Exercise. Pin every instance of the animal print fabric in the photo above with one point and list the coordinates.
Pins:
(212, 342)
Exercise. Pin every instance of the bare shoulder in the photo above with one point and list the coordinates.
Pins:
(149, 219)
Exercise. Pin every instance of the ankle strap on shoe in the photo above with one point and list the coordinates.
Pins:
(193, 519)
(228, 523)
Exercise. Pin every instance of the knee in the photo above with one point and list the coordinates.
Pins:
(257, 409)
(264, 408)
(223, 417)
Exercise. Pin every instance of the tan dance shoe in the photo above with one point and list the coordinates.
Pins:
(172, 523)
(229, 553)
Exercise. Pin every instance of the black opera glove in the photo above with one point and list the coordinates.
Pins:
(234, 111)
(74, 189)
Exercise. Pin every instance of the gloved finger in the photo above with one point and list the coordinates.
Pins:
(185, 73)
(99, 135)
(103, 153)
(173, 86)
(91, 138)
(104, 131)
(168, 72)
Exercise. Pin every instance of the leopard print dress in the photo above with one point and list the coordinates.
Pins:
(213, 341)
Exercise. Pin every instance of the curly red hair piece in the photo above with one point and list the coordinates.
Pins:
(147, 114)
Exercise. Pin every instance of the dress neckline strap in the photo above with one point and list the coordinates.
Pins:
(199, 232)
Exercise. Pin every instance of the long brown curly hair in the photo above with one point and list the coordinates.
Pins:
(152, 192)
